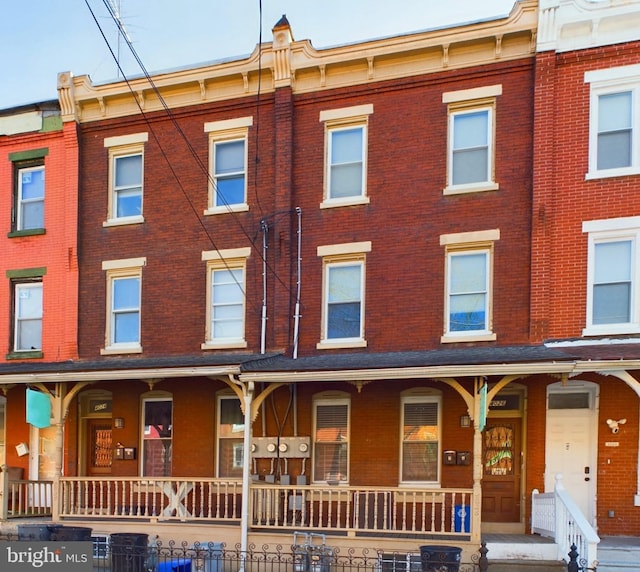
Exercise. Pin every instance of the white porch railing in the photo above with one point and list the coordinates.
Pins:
(162, 498)
(23, 498)
(374, 510)
(324, 508)
(556, 515)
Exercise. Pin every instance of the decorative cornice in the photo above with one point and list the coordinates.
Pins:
(285, 62)
(566, 25)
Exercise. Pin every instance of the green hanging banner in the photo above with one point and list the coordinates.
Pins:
(38, 409)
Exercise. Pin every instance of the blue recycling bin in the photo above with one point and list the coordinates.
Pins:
(175, 565)
(462, 513)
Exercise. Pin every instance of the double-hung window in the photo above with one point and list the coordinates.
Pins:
(226, 298)
(27, 312)
(28, 192)
(614, 123)
(230, 437)
(468, 296)
(471, 139)
(124, 301)
(421, 429)
(228, 165)
(343, 294)
(157, 434)
(346, 155)
(612, 276)
(126, 178)
(331, 439)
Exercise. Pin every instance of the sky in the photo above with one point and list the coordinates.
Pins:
(40, 38)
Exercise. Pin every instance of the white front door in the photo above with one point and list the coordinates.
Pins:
(571, 439)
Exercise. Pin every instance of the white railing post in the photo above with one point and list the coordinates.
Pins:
(4, 492)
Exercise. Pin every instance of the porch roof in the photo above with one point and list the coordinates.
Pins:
(117, 368)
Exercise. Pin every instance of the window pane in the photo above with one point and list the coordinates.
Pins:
(343, 321)
(231, 418)
(331, 461)
(346, 180)
(227, 313)
(470, 130)
(230, 458)
(470, 166)
(346, 175)
(29, 301)
(346, 146)
(129, 202)
(611, 303)
(158, 419)
(614, 130)
(128, 171)
(420, 461)
(614, 112)
(468, 273)
(230, 190)
(126, 293)
(31, 198)
(32, 215)
(612, 262)
(157, 445)
(28, 331)
(229, 157)
(420, 422)
(126, 328)
(344, 283)
(32, 183)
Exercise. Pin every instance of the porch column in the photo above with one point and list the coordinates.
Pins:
(476, 511)
(247, 393)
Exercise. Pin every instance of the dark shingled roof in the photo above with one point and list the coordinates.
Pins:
(427, 358)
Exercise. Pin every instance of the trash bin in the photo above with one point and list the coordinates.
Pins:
(208, 556)
(37, 531)
(175, 565)
(71, 533)
(128, 551)
(440, 558)
(462, 512)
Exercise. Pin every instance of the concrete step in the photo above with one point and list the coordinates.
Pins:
(619, 555)
(527, 566)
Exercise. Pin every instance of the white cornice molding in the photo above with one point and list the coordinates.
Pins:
(307, 69)
(566, 25)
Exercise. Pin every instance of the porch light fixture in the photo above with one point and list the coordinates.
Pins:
(465, 421)
(118, 422)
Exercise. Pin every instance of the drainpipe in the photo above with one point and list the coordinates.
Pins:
(296, 317)
(263, 330)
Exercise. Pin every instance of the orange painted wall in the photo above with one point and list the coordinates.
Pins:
(56, 249)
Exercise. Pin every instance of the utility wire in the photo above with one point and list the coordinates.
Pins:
(183, 136)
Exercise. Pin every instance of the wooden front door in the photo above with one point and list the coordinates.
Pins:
(501, 470)
(99, 447)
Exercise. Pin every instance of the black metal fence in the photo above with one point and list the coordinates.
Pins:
(128, 552)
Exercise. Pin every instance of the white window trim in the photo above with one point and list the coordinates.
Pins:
(122, 146)
(22, 201)
(624, 228)
(421, 395)
(145, 398)
(327, 399)
(610, 81)
(125, 268)
(342, 254)
(230, 259)
(224, 131)
(219, 398)
(469, 101)
(467, 243)
(19, 285)
(340, 119)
